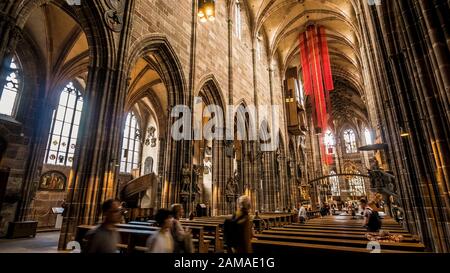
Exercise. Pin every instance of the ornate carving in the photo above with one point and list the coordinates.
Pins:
(380, 180)
(186, 179)
(229, 148)
(115, 4)
(114, 16)
(231, 189)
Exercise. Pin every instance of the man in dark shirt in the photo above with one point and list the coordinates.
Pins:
(104, 238)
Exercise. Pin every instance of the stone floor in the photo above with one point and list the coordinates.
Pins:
(45, 242)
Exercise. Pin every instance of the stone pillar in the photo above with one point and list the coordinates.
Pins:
(11, 34)
(93, 177)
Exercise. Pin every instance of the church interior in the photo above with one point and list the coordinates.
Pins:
(319, 104)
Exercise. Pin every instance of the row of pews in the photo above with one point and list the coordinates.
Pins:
(207, 232)
(331, 234)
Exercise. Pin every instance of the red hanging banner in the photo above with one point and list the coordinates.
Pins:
(306, 71)
(328, 77)
(318, 79)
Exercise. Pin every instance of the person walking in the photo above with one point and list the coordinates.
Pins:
(162, 241)
(238, 231)
(182, 236)
(104, 238)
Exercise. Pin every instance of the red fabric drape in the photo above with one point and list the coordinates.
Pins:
(318, 79)
(315, 61)
(328, 78)
(306, 71)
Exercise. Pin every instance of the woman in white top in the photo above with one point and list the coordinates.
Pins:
(302, 215)
(181, 236)
(162, 242)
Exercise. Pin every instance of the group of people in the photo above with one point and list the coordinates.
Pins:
(370, 212)
(172, 237)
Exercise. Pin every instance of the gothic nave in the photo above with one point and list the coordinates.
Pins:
(291, 103)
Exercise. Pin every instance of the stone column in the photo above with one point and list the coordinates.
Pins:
(11, 34)
(93, 178)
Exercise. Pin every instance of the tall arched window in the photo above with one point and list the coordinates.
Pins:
(299, 91)
(63, 135)
(10, 91)
(148, 167)
(335, 188)
(368, 137)
(237, 19)
(131, 145)
(330, 142)
(350, 141)
(356, 185)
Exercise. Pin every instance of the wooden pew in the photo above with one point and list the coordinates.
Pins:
(131, 238)
(274, 247)
(345, 224)
(146, 223)
(280, 218)
(197, 233)
(346, 231)
(208, 227)
(402, 246)
(318, 233)
(331, 234)
(313, 214)
(138, 227)
(338, 229)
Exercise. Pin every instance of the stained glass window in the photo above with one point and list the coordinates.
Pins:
(356, 184)
(10, 92)
(335, 188)
(131, 145)
(350, 141)
(368, 137)
(329, 142)
(62, 140)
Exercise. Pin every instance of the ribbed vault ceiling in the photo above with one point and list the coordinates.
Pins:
(282, 21)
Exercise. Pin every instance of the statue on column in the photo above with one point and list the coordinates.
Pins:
(186, 180)
(231, 189)
(380, 180)
(195, 187)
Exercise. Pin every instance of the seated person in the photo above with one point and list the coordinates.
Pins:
(259, 223)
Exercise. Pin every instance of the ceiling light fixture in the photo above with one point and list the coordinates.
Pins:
(206, 10)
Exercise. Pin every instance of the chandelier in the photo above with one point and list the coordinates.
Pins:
(206, 10)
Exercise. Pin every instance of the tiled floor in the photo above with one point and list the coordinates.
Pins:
(45, 242)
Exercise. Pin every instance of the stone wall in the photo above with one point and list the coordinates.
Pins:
(14, 162)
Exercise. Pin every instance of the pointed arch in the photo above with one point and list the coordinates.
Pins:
(90, 18)
(165, 62)
(210, 88)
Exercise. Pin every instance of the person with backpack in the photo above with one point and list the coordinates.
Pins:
(238, 230)
(372, 220)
